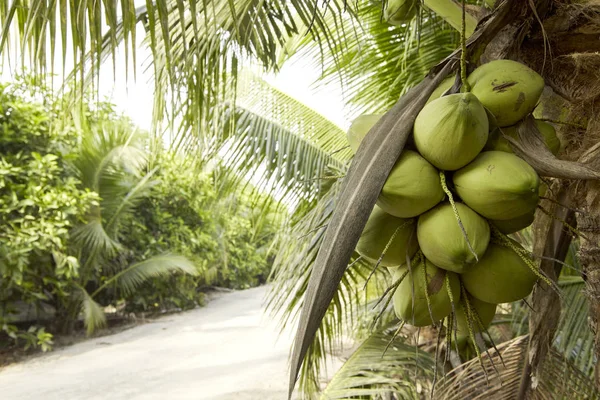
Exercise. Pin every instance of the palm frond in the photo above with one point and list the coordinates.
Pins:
(93, 239)
(574, 340)
(261, 98)
(45, 29)
(93, 314)
(135, 275)
(376, 63)
(109, 149)
(559, 379)
(111, 162)
(290, 274)
(374, 370)
(280, 161)
(114, 208)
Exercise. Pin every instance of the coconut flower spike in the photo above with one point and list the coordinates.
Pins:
(453, 321)
(427, 292)
(505, 241)
(385, 249)
(456, 215)
(437, 355)
(469, 314)
(394, 336)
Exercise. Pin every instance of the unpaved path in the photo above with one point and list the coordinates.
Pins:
(227, 350)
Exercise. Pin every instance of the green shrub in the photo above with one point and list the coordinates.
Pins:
(86, 221)
(184, 214)
(40, 201)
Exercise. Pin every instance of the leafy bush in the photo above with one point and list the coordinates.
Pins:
(185, 214)
(86, 221)
(40, 201)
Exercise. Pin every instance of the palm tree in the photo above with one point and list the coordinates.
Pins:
(199, 49)
(111, 162)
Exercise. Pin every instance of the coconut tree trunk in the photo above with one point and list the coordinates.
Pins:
(561, 41)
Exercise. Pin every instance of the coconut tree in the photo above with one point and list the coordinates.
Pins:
(198, 49)
(542, 326)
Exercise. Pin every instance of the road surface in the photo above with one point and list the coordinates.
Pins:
(227, 350)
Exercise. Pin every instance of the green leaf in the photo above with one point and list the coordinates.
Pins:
(382, 366)
(133, 276)
(93, 314)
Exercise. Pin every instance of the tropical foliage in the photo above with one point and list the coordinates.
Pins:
(87, 222)
(200, 50)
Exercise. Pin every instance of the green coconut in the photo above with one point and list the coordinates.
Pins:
(485, 312)
(450, 131)
(414, 283)
(509, 89)
(412, 187)
(498, 142)
(498, 185)
(362, 125)
(398, 12)
(377, 233)
(514, 224)
(359, 129)
(501, 276)
(442, 240)
(442, 88)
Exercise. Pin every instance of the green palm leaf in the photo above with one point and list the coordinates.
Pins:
(198, 47)
(111, 162)
(94, 240)
(374, 370)
(377, 63)
(574, 340)
(93, 314)
(135, 275)
(278, 160)
(116, 208)
(290, 275)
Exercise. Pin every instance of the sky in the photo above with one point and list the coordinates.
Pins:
(134, 97)
(296, 79)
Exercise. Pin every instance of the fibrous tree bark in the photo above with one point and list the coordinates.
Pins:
(561, 41)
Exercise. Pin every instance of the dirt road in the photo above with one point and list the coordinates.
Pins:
(227, 350)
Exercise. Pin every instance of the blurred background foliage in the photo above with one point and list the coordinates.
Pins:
(91, 208)
(86, 216)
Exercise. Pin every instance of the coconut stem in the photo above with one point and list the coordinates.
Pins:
(435, 367)
(449, 325)
(482, 328)
(463, 54)
(385, 249)
(412, 290)
(389, 298)
(455, 210)
(392, 287)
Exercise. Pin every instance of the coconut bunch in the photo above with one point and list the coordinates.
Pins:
(456, 191)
